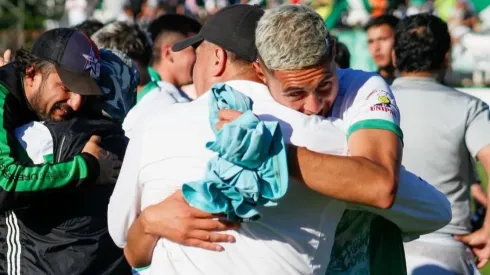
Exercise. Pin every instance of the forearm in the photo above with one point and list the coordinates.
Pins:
(419, 207)
(352, 179)
(139, 248)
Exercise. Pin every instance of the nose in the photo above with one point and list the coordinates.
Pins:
(313, 104)
(75, 101)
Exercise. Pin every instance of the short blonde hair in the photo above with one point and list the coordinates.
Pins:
(291, 37)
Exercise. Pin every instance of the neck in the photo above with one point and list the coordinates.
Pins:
(417, 74)
(139, 88)
(243, 75)
(387, 72)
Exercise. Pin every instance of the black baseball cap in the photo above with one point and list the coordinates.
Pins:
(75, 56)
(232, 28)
(175, 23)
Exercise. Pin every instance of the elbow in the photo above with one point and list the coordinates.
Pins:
(386, 195)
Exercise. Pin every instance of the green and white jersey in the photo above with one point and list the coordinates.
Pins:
(364, 101)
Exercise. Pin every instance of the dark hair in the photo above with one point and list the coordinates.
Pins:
(89, 27)
(421, 43)
(385, 19)
(24, 59)
(342, 55)
(173, 23)
(166, 25)
(127, 38)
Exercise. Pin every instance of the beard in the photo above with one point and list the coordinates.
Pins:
(39, 105)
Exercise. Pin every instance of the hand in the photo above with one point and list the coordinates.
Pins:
(109, 163)
(7, 55)
(174, 220)
(93, 147)
(479, 195)
(226, 116)
(479, 242)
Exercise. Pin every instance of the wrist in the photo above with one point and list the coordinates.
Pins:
(146, 221)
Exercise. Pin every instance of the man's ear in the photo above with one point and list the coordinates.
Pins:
(30, 76)
(219, 61)
(166, 53)
(259, 72)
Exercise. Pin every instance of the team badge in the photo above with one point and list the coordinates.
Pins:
(384, 99)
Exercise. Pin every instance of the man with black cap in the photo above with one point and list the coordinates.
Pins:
(167, 154)
(48, 83)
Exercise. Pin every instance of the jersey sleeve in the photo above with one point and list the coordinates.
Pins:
(419, 208)
(372, 107)
(37, 141)
(20, 180)
(478, 126)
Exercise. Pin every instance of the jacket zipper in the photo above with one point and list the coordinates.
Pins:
(61, 149)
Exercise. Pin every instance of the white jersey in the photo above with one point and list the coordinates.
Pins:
(154, 97)
(295, 237)
(365, 101)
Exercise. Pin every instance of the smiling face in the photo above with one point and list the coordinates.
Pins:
(310, 91)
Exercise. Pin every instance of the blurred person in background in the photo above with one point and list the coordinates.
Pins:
(89, 27)
(169, 70)
(342, 55)
(51, 82)
(131, 40)
(381, 37)
(444, 130)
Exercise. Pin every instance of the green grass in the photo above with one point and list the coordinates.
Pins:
(484, 180)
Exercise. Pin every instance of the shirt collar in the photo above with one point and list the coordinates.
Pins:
(410, 79)
(154, 75)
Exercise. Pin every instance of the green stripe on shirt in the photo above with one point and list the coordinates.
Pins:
(146, 89)
(380, 124)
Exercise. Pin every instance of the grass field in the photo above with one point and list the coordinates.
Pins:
(484, 180)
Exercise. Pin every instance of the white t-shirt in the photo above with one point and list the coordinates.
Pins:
(293, 238)
(154, 97)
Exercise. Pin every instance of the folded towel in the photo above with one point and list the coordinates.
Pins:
(251, 167)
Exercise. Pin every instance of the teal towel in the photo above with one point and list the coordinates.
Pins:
(251, 167)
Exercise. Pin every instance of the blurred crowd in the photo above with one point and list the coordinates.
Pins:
(469, 22)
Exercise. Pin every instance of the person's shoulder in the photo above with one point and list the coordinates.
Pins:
(177, 115)
(351, 81)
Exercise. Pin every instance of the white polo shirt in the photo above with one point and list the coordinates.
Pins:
(293, 238)
(155, 96)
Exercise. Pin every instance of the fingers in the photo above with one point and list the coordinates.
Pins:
(464, 238)
(482, 263)
(7, 56)
(95, 139)
(204, 245)
(228, 115)
(213, 225)
(211, 237)
(220, 124)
